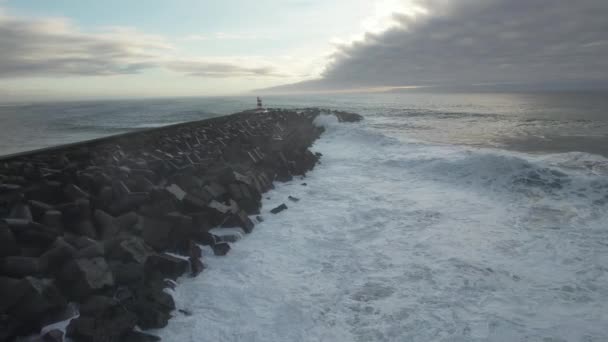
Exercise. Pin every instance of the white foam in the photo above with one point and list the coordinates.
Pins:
(411, 242)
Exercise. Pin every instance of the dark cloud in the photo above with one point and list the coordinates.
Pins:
(479, 41)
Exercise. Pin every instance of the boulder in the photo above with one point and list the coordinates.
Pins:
(132, 249)
(32, 299)
(241, 220)
(127, 273)
(54, 335)
(74, 193)
(59, 253)
(279, 209)
(105, 224)
(151, 305)
(85, 228)
(8, 243)
(156, 233)
(21, 211)
(138, 336)
(221, 248)
(94, 250)
(165, 266)
(105, 320)
(126, 221)
(53, 219)
(18, 266)
(82, 277)
(196, 266)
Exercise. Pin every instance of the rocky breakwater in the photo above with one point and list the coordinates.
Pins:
(99, 229)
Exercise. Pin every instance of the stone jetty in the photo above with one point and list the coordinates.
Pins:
(101, 228)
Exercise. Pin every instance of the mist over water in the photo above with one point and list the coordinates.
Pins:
(440, 217)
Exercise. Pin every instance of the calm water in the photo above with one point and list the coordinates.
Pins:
(537, 122)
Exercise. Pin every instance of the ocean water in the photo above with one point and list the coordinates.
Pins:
(440, 217)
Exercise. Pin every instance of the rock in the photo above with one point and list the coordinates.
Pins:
(74, 193)
(59, 253)
(156, 233)
(105, 224)
(21, 211)
(127, 273)
(18, 266)
(31, 232)
(53, 219)
(35, 298)
(54, 335)
(85, 228)
(103, 319)
(165, 266)
(82, 277)
(132, 249)
(279, 209)
(304, 184)
(152, 306)
(293, 199)
(196, 266)
(8, 243)
(241, 220)
(221, 248)
(138, 336)
(126, 221)
(94, 250)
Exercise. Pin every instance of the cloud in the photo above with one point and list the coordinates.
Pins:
(52, 47)
(205, 68)
(225, 36)
(477, 41)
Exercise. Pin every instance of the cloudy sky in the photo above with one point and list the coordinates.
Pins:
(147, 48)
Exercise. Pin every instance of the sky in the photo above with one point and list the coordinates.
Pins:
(150, 48)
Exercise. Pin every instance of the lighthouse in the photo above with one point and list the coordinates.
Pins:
(260, 106)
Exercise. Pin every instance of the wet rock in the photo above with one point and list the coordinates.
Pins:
(82, 277)
(241, 220)
(127, 273)
(293, 199)
(165, 266)
(31, 299)
(103, 319)
(138, 336)
(221, 248)
(196, 266)
(132, 249)
(54, 335)
(279, 209)
(151, 305)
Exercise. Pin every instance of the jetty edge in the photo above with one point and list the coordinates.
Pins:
(100, 228)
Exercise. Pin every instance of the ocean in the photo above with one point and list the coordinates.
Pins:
(440, 217)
